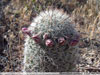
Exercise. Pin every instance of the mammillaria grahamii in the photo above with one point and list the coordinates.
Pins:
(52, 46)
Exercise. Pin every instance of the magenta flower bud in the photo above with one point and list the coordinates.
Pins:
(49, 43)
(61, 41)
(26, 31)
(36, 38)
(73, 42)
(46, 36)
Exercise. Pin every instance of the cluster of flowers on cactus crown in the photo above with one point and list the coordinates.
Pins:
(48, 41)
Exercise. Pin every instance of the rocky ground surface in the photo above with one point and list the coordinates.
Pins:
(17, 14)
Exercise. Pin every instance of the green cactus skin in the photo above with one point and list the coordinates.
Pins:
(57, 58)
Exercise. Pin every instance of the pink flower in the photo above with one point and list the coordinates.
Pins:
(26, 31)
(46, 36)
(61, 41)
(36, 38)
(73, 42)
(49, 43)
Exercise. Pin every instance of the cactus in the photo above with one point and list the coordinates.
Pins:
(51, 43)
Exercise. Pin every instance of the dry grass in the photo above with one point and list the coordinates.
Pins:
(90, 13)
(19, 13)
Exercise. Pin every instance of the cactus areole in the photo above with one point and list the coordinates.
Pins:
(52, 44)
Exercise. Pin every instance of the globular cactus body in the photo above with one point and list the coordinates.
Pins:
(51, 47)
